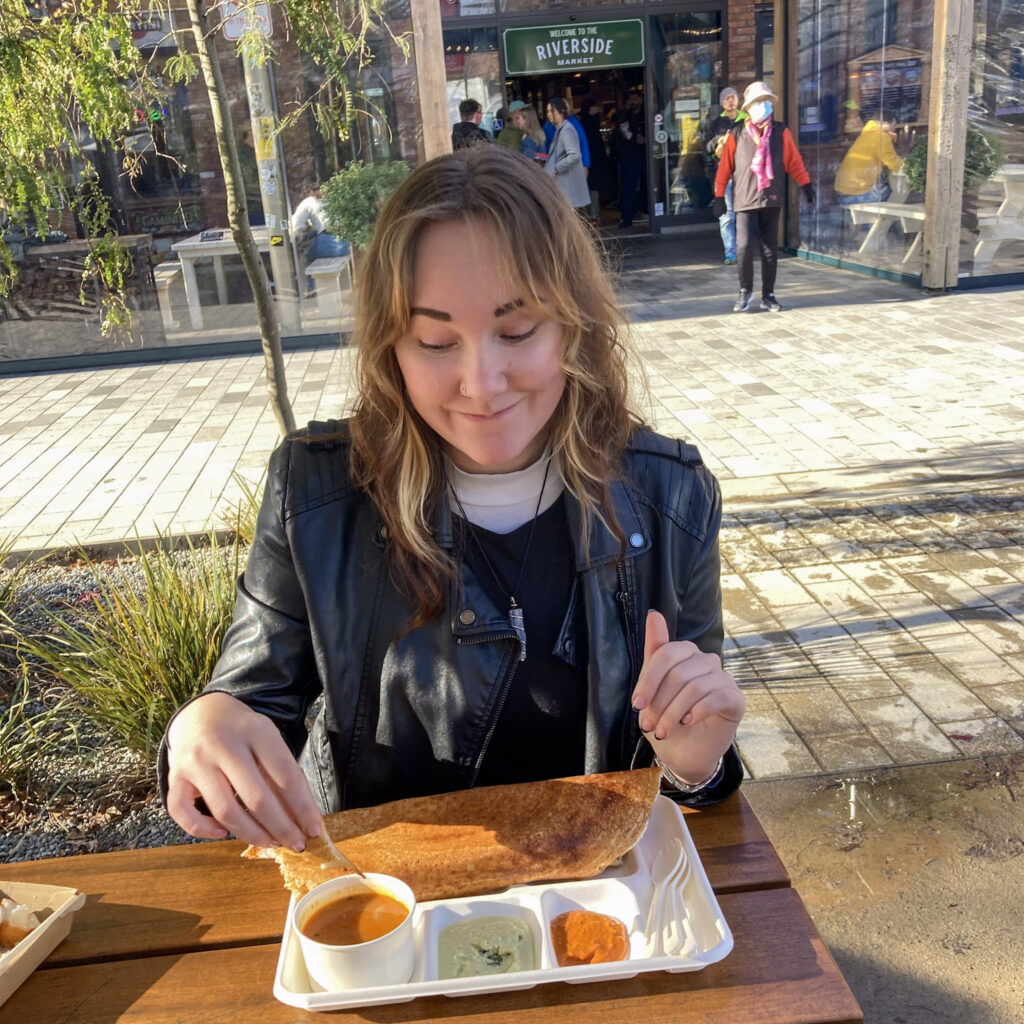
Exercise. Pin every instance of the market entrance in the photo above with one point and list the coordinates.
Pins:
(600, 100)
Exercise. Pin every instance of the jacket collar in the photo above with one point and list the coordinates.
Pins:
(604, 546)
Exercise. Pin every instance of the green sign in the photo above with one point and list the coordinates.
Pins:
(594, 44)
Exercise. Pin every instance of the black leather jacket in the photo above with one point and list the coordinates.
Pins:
(371, 719)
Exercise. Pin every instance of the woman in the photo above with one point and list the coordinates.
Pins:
(493, 499)
(565, 162)
(534, 144)
(757, 156)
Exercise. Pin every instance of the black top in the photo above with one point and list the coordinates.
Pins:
(541, 728)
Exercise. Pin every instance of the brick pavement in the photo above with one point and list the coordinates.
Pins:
(868, 444)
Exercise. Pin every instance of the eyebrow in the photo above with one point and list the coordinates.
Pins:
(438, 314)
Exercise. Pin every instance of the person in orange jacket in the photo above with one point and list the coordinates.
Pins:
(757, 156)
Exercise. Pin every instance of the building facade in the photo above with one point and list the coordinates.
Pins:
(909, 115)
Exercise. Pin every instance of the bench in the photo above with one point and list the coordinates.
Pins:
(164, 275)
(326, 274)
(993, 230)
(881, 216)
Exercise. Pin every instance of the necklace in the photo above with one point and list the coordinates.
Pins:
(515, 610)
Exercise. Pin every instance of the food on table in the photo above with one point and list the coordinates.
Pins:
(354, 917)
(16, 923)
(496, 944)
(586, 937)
(480, 840)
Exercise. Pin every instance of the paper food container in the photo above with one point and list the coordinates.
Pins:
(54, 905)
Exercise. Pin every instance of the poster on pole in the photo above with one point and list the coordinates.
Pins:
(238, 15)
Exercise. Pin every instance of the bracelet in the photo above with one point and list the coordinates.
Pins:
(686, 787)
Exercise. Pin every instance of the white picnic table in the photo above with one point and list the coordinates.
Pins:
(1008, 223)
(218, 243)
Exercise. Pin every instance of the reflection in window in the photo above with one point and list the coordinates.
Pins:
(863, 104)
(472, 71)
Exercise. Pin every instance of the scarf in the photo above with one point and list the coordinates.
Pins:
(761, 164)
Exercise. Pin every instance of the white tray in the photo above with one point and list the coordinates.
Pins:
(623, 891)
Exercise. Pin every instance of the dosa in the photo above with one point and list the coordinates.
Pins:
(480, 840)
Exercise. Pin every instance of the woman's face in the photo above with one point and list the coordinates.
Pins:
(483, 370)
(554, 116)
(518, 120)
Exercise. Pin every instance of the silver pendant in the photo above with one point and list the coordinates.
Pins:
(515, 618)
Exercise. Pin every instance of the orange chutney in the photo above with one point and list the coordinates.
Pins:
(354, 918)
(586, 937)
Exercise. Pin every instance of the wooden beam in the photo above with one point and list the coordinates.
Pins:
(428, 51)
(947, 117)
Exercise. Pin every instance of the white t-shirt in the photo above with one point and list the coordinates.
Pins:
(308, 216)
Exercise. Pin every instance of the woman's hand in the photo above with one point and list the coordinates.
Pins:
(238, 763)
(689, 706)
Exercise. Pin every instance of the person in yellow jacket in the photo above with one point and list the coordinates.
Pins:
(859, 178)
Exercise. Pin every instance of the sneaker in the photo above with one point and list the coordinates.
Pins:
(771, 303)
(730, 261)
(742, 304)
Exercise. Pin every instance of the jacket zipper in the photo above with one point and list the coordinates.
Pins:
(622, 597)
(506, 685)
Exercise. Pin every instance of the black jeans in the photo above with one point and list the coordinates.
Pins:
(760, 226)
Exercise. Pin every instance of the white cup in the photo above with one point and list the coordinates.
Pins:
(387, 960)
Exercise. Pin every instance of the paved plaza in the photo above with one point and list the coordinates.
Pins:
(868, 441)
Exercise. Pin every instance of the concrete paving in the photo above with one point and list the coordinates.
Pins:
(868, 441)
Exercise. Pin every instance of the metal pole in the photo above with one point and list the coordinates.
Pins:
(273, 193)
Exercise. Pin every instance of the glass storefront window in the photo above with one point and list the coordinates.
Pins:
(864, 77)
(685, 53)
(993, 206)
(189, 285)
(473, 71)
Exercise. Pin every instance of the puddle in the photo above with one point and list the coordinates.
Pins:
(863, 836)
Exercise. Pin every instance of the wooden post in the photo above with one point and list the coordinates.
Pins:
(428, 50)
(947, 116)
(787, 87)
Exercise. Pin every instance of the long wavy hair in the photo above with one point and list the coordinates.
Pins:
(550, 257)
(533, 129)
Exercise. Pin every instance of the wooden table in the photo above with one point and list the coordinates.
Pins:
(177, 935)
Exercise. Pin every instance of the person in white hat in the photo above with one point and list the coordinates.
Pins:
(756, 157)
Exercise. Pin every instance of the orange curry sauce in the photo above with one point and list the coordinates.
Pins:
(353, 918)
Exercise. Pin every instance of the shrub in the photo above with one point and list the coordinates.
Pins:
(27, 735)
(983, 156)
(353, 198)
(140, 648)
(240, 516)
(12, 576)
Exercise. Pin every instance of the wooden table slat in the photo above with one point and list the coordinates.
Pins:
(778, 972)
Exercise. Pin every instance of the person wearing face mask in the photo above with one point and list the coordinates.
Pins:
(757, 156)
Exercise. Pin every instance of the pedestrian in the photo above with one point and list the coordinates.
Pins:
(714, 135)
(599, 178)
(534, 145)
(757, 156)
(630, 144)
(310, 232)
(564, 162)
(510, 135)
(467, 131)
(861, 176)
(452, 587)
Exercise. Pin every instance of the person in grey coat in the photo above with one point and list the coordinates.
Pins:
(565, 163)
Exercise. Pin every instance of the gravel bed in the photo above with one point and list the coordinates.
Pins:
(89, 797)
